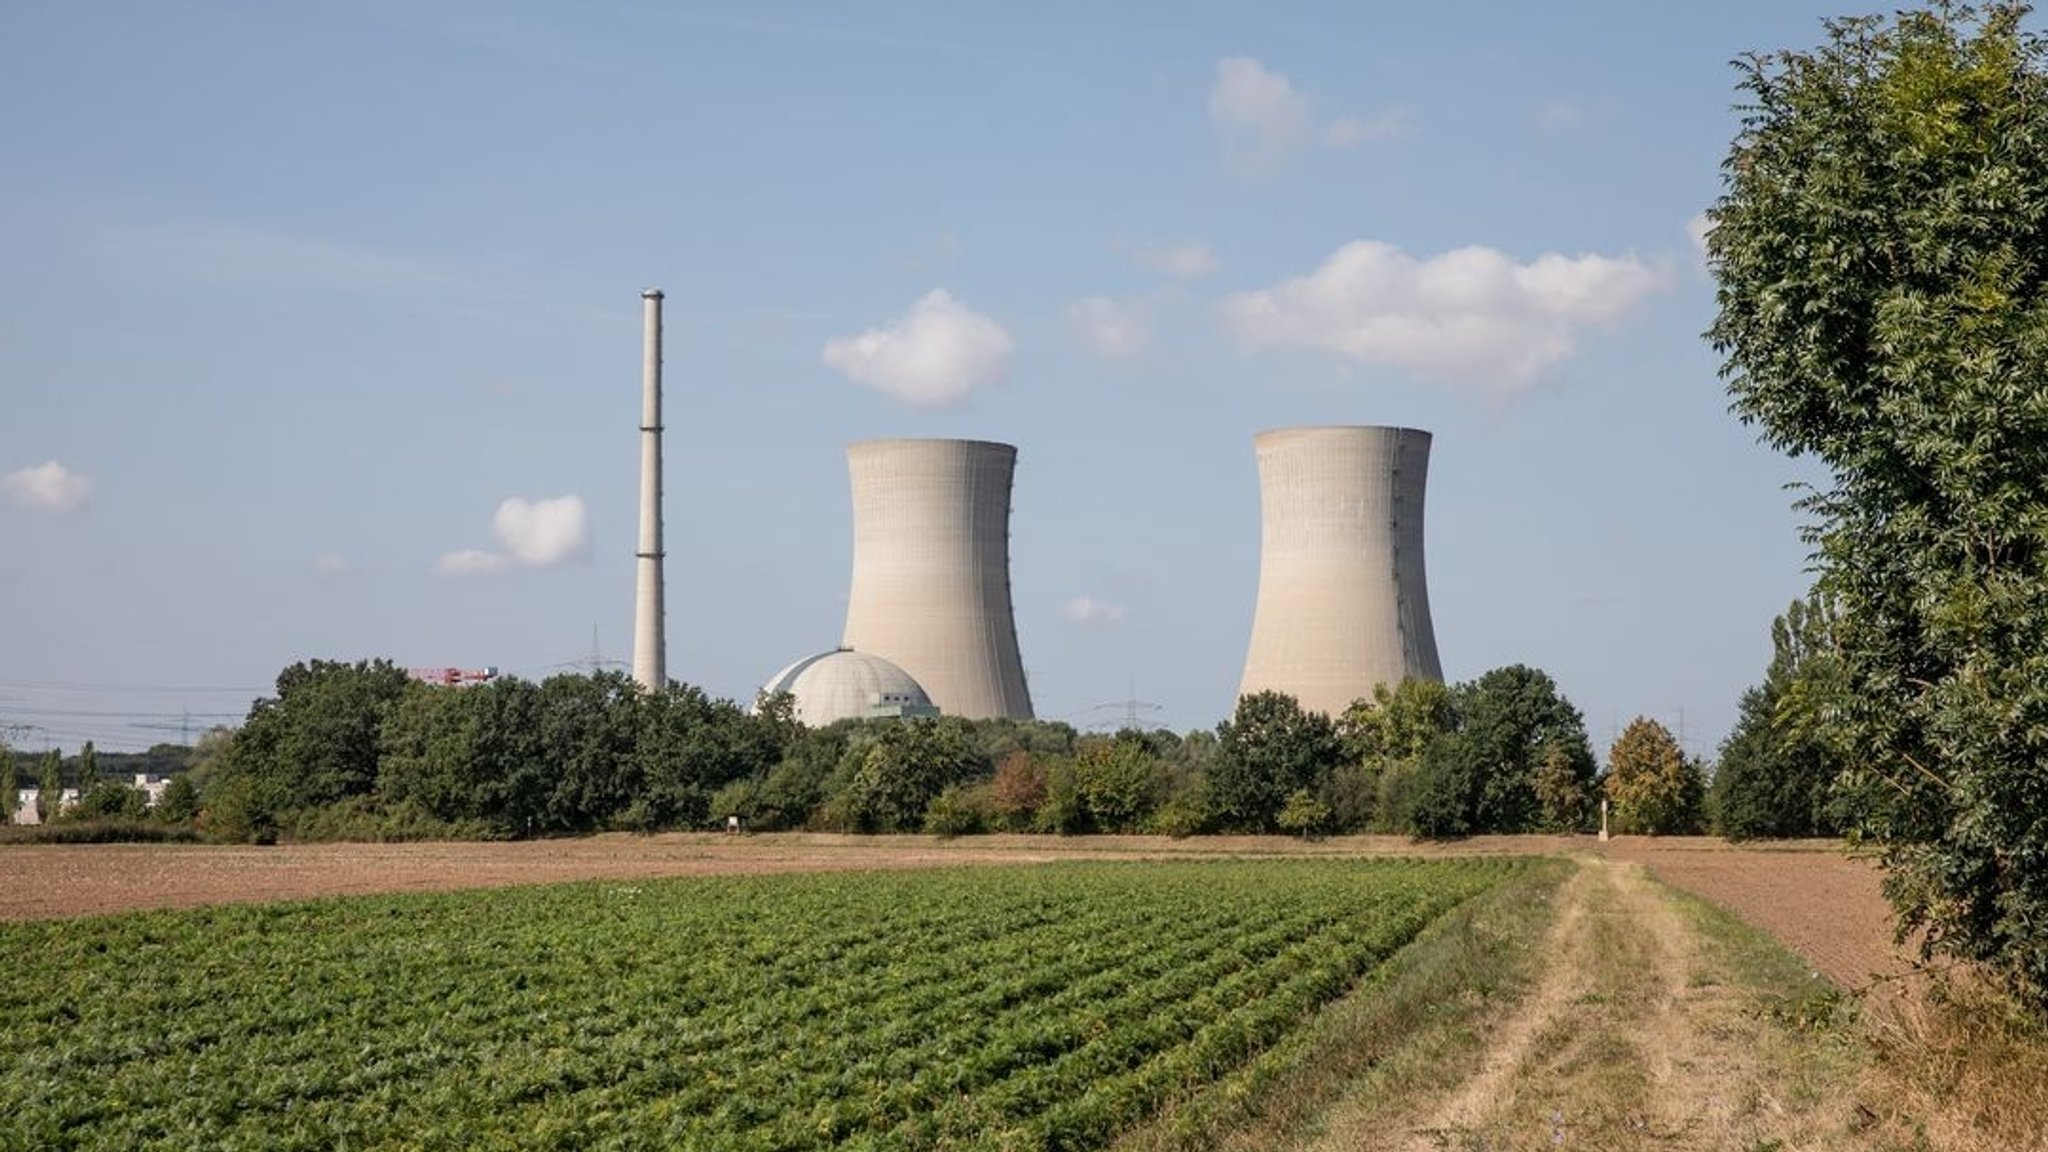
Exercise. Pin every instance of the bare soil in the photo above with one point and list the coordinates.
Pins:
(1822, 903)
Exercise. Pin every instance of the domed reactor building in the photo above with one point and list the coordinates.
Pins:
(845, 685)
(931, 570)
(1343, 601)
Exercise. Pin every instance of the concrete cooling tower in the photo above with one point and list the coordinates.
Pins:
(1343, 603)
(931, 570)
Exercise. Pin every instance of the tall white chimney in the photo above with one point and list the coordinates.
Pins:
(650, 664)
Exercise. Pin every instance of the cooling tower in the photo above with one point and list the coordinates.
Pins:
(1343, 602)
(931, 570)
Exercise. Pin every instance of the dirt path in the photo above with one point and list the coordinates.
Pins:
(1638, 1035)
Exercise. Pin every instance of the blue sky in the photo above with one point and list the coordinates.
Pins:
(297, 297)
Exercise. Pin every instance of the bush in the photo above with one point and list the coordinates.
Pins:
(1304, 815)
(962, 810)
(110, 831)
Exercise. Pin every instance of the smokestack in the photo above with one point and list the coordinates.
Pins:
(931, 570)
(650, 657)
(1343, 600)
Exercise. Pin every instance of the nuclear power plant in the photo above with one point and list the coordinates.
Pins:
(650, 641)
(931, 570)
(1343, 602)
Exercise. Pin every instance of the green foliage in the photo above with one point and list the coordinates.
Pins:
(110, 801)
(10, 783)
(1268, 749)
(962, 810)
(1063, 810)
(116, 830)
(1508, 754)
(1513, 718)
(1186, 810)
(990, 1008)
(88, 772)
(1655, 788)
(1304, 815)
(1778, 766)
(314, 743)
(179, 803)
(1383, 740)
(1882, 253)
(1118, 782)
(50, 787)
(905, 766)
(1564, 792)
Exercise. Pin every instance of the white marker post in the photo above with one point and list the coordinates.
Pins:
(1603, 821)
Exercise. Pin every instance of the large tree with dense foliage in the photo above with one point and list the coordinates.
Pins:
(1513, 730)
(1267, 750)
(1777, 769)
(1881, 248)
(1656, 790)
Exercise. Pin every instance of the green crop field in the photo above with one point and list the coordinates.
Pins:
(1040, 1007)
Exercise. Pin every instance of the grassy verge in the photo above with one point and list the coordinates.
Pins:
(1414, 1026)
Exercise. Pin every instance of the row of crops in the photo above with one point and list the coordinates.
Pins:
(1045, 1007)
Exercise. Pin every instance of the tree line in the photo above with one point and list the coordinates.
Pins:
(361, 750)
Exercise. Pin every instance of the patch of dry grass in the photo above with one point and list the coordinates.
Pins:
(1957, 1068)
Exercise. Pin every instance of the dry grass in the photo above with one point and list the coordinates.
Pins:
(1956, 1068)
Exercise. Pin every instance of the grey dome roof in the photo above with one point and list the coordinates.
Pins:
(843, 684)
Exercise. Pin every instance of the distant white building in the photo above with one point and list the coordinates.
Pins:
(25, 798)
(25, 811)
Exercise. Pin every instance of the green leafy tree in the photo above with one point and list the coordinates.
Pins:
(1881, 248)
(1777, 768)
(88, 773)
(1564, 795)
(1482, 775)
(1304, 815)
(904, 770)
(588, 736)
(10, 783)
(180, 802)
(50, 788)
(1118, 782)
(1655, 788)
(1269, 748)
(1384, 739)
(1515, 717)
(312, 744)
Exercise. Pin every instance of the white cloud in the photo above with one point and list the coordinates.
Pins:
(1113, 329)
(471, 562)
(934, 355)
(1189, 260)
(543, 533)
(47, 487)
(1088, 610)
(1351, 131)
(1264, 118)
(1696, 230)
(531, 534)
(330, 563)
(1260, 109)
(1471, 314)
